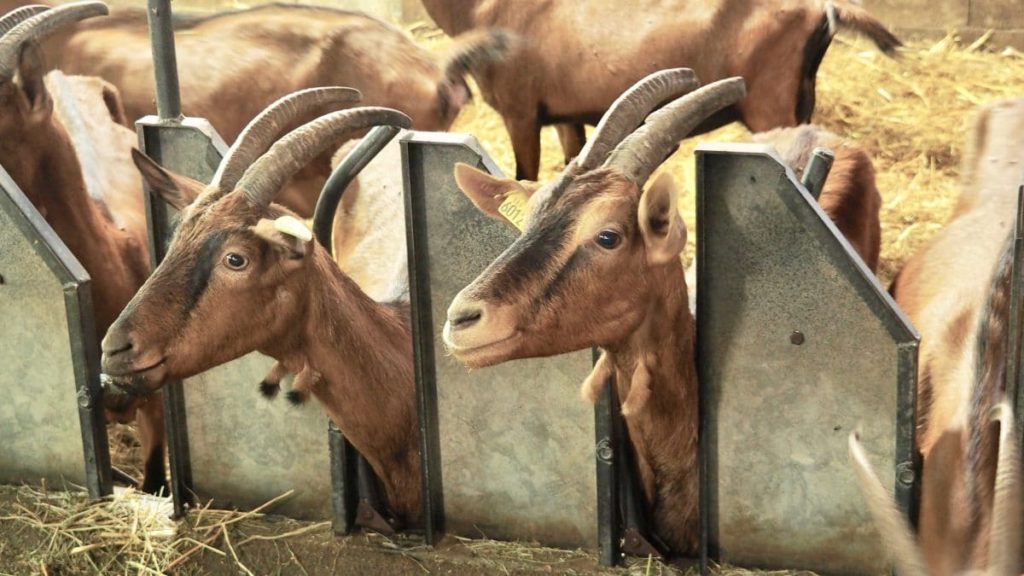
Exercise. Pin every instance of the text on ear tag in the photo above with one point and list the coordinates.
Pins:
(513, 208)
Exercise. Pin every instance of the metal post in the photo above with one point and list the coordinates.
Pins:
(423, 350)
(161, 34)
(817, 170)
(1014, 389)
(606, 447)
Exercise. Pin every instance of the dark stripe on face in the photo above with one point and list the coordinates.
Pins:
(199, 277)
(577, 261)
(531, 254)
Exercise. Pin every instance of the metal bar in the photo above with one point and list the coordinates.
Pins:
(908, 458)
(817, 170)
(327, 205)
(1014, 387)
(343, 498)
(423, 346)
(161, 34)
(704, 449)
(607, 480)
(86, 362)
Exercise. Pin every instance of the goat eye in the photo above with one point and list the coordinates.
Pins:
(608, 239)
(235, 261)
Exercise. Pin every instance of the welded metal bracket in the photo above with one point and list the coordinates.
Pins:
(797, 345)
(33, 259)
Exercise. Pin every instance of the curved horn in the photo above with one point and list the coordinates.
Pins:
(630, 109)
(262, 130)
(40, 25)
(474, 49)
(15, 17)
(262, 181)
(646, 148)
(892, 526)
(1006, 507)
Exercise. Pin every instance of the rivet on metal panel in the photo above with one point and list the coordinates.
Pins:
(84, 399)
(905, 473)
(604, 451)
(797, 337)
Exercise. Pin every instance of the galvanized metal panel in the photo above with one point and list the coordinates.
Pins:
(52, 420)
(798, 345)
(516, 442)
(242, 449)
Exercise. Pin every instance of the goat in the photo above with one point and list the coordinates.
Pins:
(233, 64)
(849, 197)
(1004, 535)
(60, 141)
(598, 264)
(574, 58)
(242, 274)
(957, 293)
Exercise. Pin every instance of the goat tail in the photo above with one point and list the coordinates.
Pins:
(476, 49)
(896, 534)
(846, 15)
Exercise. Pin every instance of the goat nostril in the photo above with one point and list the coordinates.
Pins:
(126, 346)
(466, 318)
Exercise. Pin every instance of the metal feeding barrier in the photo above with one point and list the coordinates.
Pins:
(52, 420)
(514, 444)
(797, 345)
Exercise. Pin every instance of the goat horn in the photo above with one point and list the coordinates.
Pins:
(1006, 507)
(647, 147)
(476, 49)
(892, 526)
(262, 130)
(262, 181)
(15, 17)
(40, 25)
(630, 109)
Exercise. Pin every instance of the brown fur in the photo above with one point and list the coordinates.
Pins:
(577, 57)
(233, 64)
(290, 302)
(555, 290)
(47, 127)
(956, 291)
(850, 197)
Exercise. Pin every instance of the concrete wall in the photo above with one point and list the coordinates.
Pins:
(406, 11)
(970, 18)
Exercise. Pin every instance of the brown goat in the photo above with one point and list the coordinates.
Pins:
(849, 196)
(242, 274)
(1004, 535)
(956, 292)
(598, 265)
(60, 141)
(234, 64)
(576, 57)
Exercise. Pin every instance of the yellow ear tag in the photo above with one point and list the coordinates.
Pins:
(294, 227)
(513, 208)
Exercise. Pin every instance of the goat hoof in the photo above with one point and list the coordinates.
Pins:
(296, 398)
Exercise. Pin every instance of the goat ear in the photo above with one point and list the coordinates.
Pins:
(178, 191)
(286, 233)
(503, 199)
(661, 226)
(31, 72)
